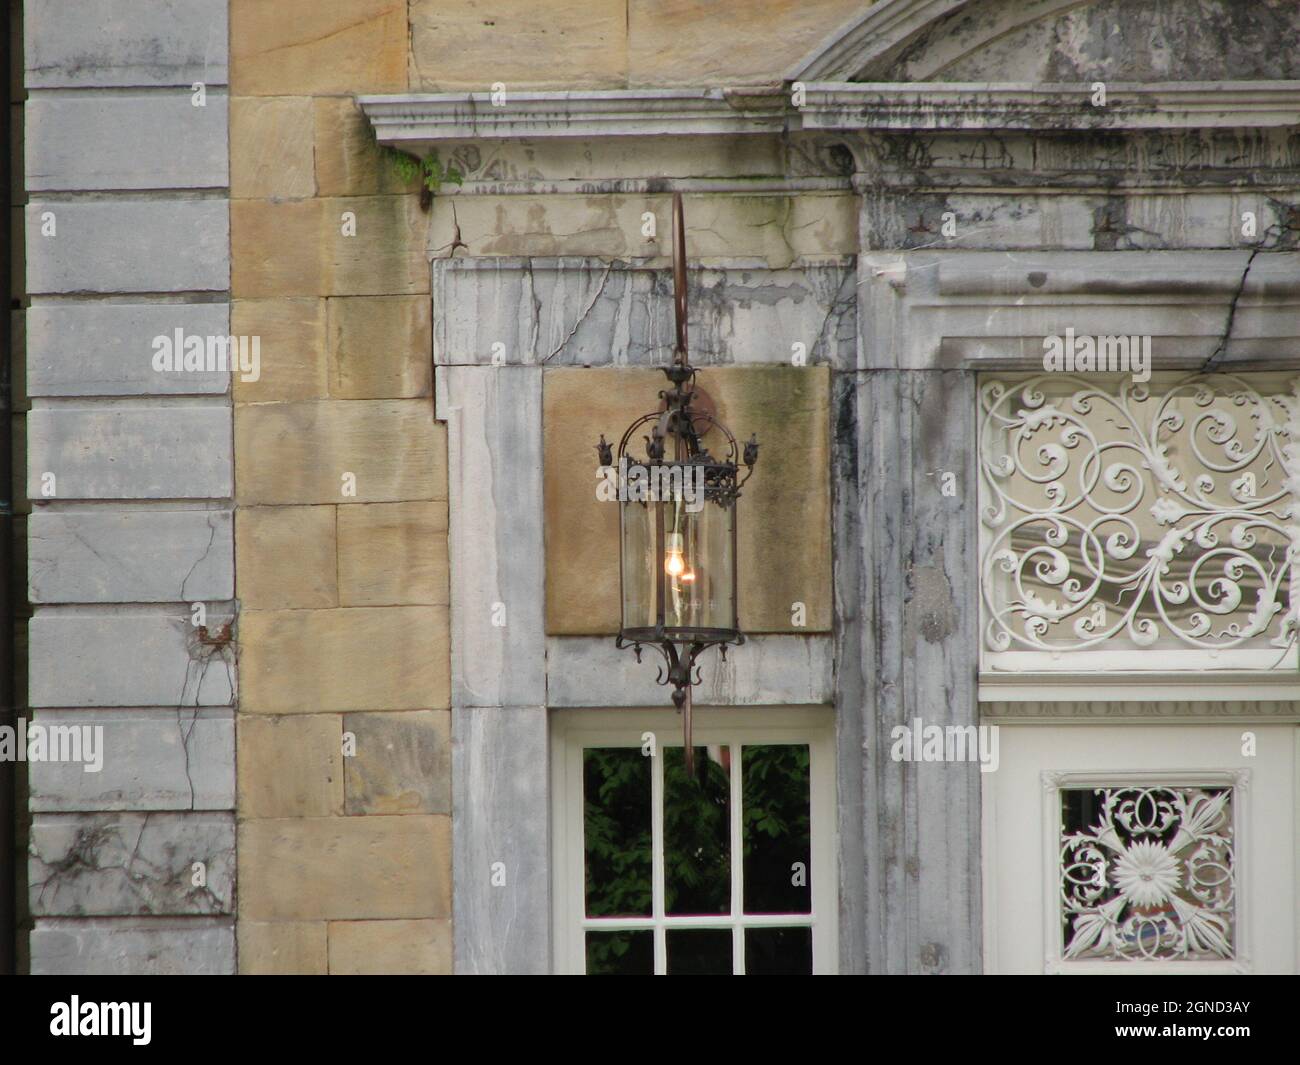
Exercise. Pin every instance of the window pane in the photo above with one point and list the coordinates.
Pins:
(697, 828)
(621, 953)
(699, 952)
(778, 952)
(778, 841)
(616, 831)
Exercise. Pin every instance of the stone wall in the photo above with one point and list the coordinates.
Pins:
(131, 869)
(341, 523)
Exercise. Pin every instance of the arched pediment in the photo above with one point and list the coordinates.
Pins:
(1049, 41)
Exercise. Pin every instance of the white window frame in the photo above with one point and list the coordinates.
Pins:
(574, 730)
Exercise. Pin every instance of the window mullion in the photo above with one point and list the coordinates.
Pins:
(657, 859)
(737, 867)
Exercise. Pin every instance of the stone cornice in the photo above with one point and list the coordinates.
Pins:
(420, 120)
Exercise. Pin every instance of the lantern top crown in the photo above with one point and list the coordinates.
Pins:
(686, 412)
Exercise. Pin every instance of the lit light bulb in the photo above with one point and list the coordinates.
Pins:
(674, 564)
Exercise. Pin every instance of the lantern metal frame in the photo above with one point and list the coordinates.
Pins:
(683, 424)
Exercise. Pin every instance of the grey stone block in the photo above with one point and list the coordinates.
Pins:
(91, 865)
(764, 671)
(107, 349)
(75, 43)
(146, 141)
(500, 813)
(494, 441)
(576, 312)
(143, 556)
(127, 660)
(128, 246)
(152, 760)
(195, 946)
(137, 452)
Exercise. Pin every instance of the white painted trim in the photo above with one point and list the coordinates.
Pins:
(571, 730)
(1208, 687)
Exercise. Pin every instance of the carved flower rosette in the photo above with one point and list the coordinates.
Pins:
(1126, 518)
(1147, 874)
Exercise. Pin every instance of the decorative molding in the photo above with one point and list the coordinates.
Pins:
(961, 309)
(1114, 695)
(974, 106)
(413, 120)
(418, 121)
(873, 34)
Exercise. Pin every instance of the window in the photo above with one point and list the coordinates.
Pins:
(733, 872)
(1140, 526)
(1147, 868)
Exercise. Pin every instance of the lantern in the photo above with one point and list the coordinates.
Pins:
(678, 519)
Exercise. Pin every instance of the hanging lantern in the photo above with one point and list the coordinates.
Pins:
(678, 517)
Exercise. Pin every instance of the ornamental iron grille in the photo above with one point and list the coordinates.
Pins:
(1140, 526)
(1148, 874)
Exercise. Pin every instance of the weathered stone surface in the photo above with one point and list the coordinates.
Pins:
(306, 661)
(299, 452)
(137, 452)
(562, 45)
(129, 246)
(290, 766)
(379, 347)
(402, 764)
(586, 312)
(379, 948)
(345, 868)
(78, 661)
(310, 254)
(777, 229)
(88, 865)
(124, 42)
(283, 948)
(153, 760)
(393, 553)
(349, 162)
(501, 812)
(106, 349)
(317, 46)
(292, 346)
(286, 557)
(497, 581)
(907, 647)
(139, 556)
(199, 946)
(763, 671)
(271, 143)
(783, 539)
(1210, 40)
(77, 142)
(676, 43)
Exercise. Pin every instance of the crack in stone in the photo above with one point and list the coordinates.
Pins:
(212, 536)
(600, 288)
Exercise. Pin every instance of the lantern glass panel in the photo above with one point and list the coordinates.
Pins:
(638, 562)
(698, 570)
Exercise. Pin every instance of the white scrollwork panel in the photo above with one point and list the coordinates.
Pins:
(1148, 874)
(1140, 526)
